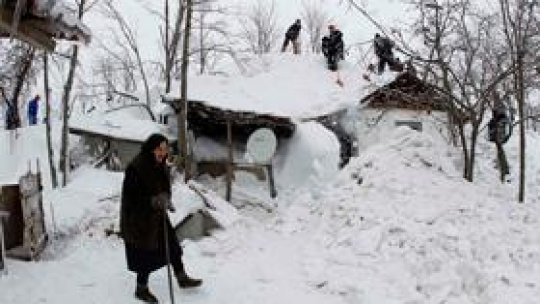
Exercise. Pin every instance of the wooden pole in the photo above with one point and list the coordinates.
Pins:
(229, 160)
(167, 50)
(182, 124)
(270, 172)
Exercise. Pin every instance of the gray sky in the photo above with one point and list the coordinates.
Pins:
(353, 24)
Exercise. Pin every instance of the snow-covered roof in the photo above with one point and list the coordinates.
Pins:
(283, 85)
(117, 125)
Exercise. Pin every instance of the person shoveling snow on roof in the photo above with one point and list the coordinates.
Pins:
(332, 47)
(383, 49)
(291, 36)
(146, 196)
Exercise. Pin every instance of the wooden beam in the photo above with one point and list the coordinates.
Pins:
(17, 14)
(32, 32)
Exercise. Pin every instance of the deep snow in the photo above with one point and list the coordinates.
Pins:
(397, 225)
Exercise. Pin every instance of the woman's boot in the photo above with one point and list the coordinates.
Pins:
(143, 293)
(184, 281)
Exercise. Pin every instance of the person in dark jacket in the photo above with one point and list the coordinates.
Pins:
(332, 47)
(383, 49)
(291, 36)
(33, 106)
(146, 194)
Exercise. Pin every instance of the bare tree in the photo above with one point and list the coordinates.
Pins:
(461, 46)
(171, 42)
(82, 7)
(16, 72)
(211, 37)
(128, 42)
(519, 18)
(259, 27)
(315, 19)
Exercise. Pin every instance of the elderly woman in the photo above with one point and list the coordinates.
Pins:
(146, 194)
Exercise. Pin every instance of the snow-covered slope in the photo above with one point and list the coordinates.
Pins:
(399, 225)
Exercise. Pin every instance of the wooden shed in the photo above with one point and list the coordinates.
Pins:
(24, 230)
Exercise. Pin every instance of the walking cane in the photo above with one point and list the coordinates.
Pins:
(167, 254)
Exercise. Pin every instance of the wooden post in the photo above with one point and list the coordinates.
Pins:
(182, 124)
(270, 172)
(3, 266)
(229, 160)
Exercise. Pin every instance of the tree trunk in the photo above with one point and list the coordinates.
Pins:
(144, 78)
(172, 47)
(64, 157)
(472, 152)
(21, 77)
(50, 150)
(522, 146)
(464, 149)
(167, 50)
(182, 123)
(202, 52)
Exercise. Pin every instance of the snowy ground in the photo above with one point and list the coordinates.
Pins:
(398, 225)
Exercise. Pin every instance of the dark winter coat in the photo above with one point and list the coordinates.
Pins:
(33, 107)
(333, 43)
(383, 46)
(294, 31)
(141, 222)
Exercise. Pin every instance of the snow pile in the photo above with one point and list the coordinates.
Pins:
(284, 84)
(400, 226)
(19, 152)
(311, 156)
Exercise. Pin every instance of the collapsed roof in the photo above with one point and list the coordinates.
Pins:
(406, 91)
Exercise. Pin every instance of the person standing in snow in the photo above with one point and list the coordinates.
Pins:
(332, 47)
(383, 49)
(33, 107)
(146, 195)
(292, 35)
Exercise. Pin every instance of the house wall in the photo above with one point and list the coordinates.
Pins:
(374, 125)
